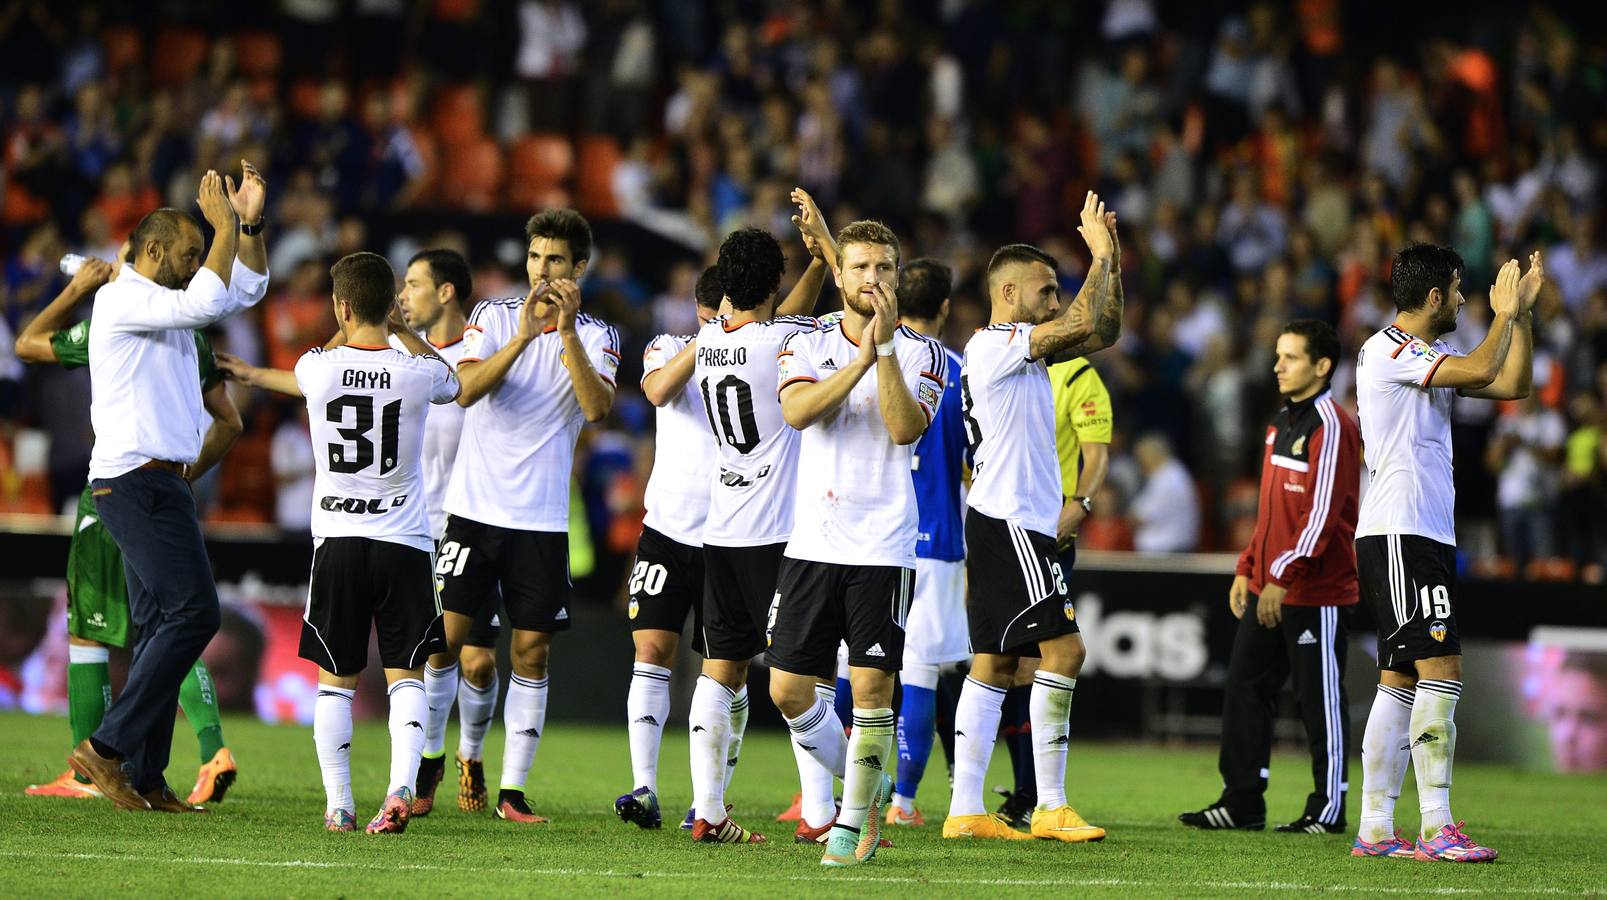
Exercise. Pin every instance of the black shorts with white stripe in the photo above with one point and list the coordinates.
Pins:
(1016, 594)
(1410, 581)
(357, 582)
(819, 604)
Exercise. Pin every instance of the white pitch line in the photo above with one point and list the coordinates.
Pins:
(823, 877)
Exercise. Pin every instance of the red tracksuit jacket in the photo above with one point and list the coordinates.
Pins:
(1305, 529)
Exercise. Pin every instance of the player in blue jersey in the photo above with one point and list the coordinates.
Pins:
(935, 634)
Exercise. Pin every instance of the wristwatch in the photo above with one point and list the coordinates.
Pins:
(1087, 503)
(252, 230)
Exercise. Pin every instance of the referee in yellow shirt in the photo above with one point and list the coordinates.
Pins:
(1082, 438)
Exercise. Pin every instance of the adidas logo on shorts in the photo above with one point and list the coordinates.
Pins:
(875, 650)
(1306, 638)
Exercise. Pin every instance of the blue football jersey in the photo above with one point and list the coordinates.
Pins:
(940, 458)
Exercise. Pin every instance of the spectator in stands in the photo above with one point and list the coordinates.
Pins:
(293, 472)
(1526, 452)
(1584, 487)
(1166, 512)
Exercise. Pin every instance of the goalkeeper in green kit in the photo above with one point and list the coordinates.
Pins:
(97, 595)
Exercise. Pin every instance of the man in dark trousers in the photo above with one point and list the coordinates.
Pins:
(1288, 590)
(149, 427)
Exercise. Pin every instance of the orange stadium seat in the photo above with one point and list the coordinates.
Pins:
(258, 53)
(123, 48)
(538, 167)
(177, 56)
(457, 115)
(305, 96)
(430, 152)
(471, 173)
(599, 156)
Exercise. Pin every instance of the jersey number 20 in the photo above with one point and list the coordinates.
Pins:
(359, 453)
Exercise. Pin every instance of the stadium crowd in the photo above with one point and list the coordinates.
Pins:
(1266, 161)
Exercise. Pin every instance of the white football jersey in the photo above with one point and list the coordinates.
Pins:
(1010, 425)
(1406, 438)
(442, 431)
(367, 407)
(756, 451)
(677, 497)
(518, 442)
(855, 498)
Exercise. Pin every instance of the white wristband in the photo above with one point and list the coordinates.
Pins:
(884, 349)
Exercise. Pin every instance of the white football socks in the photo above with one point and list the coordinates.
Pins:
(976, 729)
(525, 717)
(739, 727)
(332, 735)
(409, 710)
(440, 687)
(647, 707)
(709, 729)
(870, 745)
(1384, 755)
(1049, 711)
(816, 783)
(476, 708)
(1433, 742)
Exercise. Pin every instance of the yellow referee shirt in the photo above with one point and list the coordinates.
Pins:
(1082, 413)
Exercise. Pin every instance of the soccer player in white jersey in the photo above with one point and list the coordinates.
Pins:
(534, 370)
(666, 582)
(750, 506)
(862, 390)
(434, 287)
(1017, 596)
(372, 551)
(1406, 377)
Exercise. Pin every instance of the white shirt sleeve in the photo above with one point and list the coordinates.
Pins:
(144, 306)
(925, 368)
(247, 287)
(444, 381)
(602, 348)
(1007, 353)
(794, 364)
(482, 338)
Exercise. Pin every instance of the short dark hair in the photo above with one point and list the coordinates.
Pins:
(750, 267)
(923, 285)
(1010, 254)
(1322, 342)
(1418, 269)
(868, 231)
(160, 225)
(447, 267)
(709, 293)
(564, 225)
(365, 280)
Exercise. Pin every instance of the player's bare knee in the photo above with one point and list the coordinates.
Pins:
(792, 694)
(1064, 655)
(656, 648)
(872, 689)
(479, 666)
(1440, 668)
(994, 669)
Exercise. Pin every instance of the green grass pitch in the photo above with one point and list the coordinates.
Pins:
(266, 838)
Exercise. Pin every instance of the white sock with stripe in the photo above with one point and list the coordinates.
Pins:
(477, 706)
(647, 707)
(709, 728)
(409, 709)
(816, 782)
(1433, 742)
(869, 747)
(1050, 714)
(525, 717)
(440, 686)
(976, 729)
(1384, 755)
(332, 735)
(739, 727)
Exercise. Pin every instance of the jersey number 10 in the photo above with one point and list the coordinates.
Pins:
(359, 454)
(725, 390)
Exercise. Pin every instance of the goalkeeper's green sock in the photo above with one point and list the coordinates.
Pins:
(89, 691)
(200, 705)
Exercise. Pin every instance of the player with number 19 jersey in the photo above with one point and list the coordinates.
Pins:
(754, 479)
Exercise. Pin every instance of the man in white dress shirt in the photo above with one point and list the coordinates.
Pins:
(149, 425)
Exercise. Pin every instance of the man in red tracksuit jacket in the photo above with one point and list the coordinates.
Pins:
(1292, 592)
